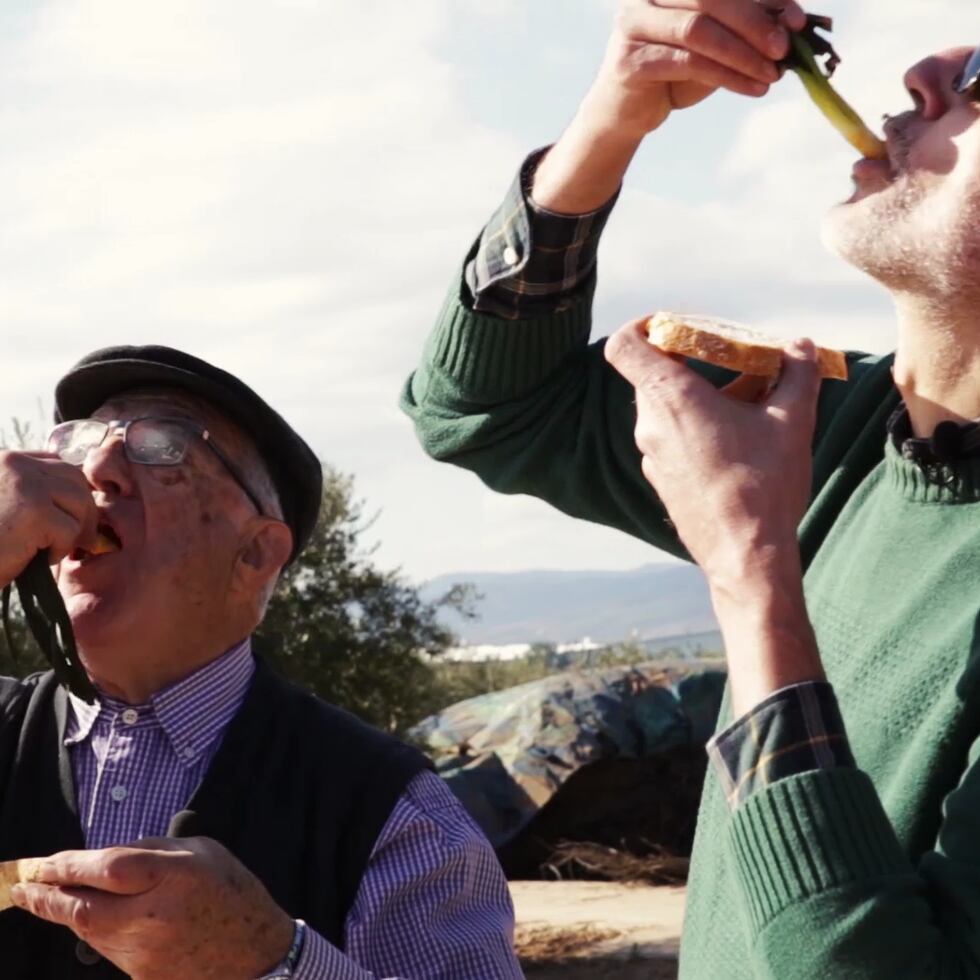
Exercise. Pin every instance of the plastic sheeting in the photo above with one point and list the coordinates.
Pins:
(506, 754)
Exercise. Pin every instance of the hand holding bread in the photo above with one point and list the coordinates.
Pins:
(735, 478)
(15, 873)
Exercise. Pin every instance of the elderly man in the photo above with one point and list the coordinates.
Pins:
(323, 848)
(839, 529)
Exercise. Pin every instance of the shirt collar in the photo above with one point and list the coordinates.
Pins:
(192, 712)
(81, 717)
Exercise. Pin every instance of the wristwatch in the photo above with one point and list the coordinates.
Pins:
(287, 968)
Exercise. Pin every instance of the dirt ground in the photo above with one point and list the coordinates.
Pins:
(593, 930)
(640, 807)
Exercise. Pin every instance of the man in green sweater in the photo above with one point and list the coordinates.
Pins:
(838, 526)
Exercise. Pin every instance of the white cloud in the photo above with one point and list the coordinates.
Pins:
(287, 186)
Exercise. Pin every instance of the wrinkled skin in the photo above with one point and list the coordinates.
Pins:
(155, 909)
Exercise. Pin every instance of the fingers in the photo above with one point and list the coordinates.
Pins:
(63, 484)
(663, 63)
(799, 384)
(751, 388)
(74, 908)
(744, 26)
(648, 368)
(722, 39)
(787, 12)
(73, 500)
(185, 845)
(659, 375)
(117, 870)
(61, 535)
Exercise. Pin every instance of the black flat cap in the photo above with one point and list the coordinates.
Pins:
(295, 470)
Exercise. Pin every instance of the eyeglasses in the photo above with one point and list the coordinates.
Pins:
(968, 83)
(146, 441)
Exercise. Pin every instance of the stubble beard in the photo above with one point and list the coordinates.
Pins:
(914, 237)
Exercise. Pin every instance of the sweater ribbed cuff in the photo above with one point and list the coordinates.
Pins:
(490, 359)
(807, 834)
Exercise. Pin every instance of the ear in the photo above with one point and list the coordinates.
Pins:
(262, 554)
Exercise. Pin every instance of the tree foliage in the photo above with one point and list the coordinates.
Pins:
(27, 657)
(358, 636)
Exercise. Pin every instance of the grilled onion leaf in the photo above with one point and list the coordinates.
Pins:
(49, 623)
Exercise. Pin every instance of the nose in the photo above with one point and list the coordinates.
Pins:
(930, 83)
(106, 467)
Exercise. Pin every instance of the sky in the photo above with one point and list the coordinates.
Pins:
(287, 188)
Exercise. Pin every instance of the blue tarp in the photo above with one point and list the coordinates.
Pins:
(507, 753)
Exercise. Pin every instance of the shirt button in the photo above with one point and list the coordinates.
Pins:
(187, 752)
(130, 716)
(85, 954)
(119, 793)
(510, 256)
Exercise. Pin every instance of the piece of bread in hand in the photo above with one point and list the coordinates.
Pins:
(731, 345)
(14, 872)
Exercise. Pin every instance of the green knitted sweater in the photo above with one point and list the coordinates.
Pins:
(867, 872)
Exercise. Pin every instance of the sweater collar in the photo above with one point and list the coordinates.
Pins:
(929, 480)
(950, 441)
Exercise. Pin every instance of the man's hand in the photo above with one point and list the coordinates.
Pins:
(735, 479)
(663, 55)
(44, 503)
(164, 908)
(671, 54)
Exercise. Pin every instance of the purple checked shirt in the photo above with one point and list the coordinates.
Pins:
(433, 901)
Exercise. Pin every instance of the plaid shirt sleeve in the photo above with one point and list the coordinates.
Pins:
(795, 730)
(530, 261)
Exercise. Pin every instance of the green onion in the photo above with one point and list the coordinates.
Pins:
(806, 46)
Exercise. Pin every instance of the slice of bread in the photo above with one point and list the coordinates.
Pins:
(13, 872)
(731, 345)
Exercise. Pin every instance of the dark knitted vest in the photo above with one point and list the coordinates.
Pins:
(299, 791)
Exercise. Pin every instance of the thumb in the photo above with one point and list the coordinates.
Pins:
(646, 367)
(799, 383)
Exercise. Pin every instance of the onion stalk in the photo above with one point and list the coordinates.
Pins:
(806, 47)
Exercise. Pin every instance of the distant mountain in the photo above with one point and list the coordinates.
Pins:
(562, 607)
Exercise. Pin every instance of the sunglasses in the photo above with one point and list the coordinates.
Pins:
(146, 441)
(968, 83)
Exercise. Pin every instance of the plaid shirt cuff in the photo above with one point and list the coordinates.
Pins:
(796, 730)
(530, 261)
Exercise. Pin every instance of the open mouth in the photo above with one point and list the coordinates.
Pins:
(867, 170)
(878, 172)
(107, 542)
(898, 143)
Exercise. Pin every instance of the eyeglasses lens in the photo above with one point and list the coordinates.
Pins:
(152, 442)
(969, 82)
(72, 441)
(156, 442)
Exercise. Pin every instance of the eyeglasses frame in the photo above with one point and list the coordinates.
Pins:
(968, 81)
(188, 424)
